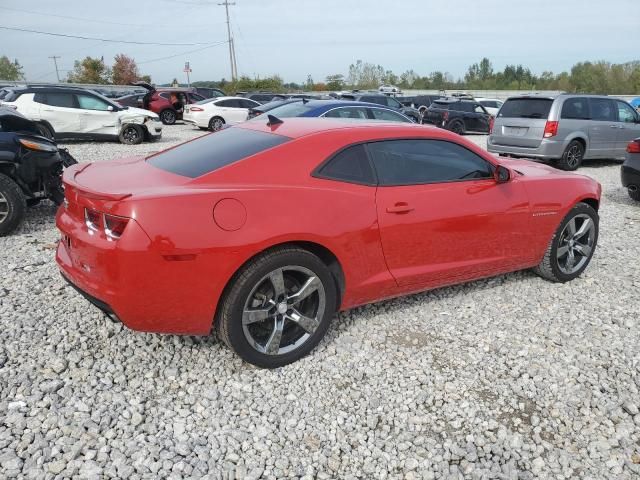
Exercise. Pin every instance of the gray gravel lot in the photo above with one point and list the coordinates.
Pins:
(507, 378)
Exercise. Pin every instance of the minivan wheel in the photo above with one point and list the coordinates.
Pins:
(572, 246)
(278, 307)
(12, 205)
(634, 193)
(572, 156)
(168, 117)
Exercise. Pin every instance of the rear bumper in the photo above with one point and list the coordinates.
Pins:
(548, 149)
(133, 281)
(630, 171)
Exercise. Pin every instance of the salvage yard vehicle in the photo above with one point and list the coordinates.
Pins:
(30, 168)
(265, 229)
(338, 109)
(390, 102)
(459, 116)
(630, 171)
(213, 114)
(168, 103)
(564, 129)
(75, 113)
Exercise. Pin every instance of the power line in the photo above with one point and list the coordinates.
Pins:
(100, 39)
(232, 55)
(181, 53)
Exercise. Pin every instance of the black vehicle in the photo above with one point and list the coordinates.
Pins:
(265, 107)
(385, 100)
(419, 102)
(459, 116)
(30, 168)
(630, 171)
(262, 97)
(132, 100)
(207, 92)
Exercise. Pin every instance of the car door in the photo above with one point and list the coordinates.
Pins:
(603, 128)
(97, 117)
(442, 215)
(60, 110)
(231, 110)
(628, 126)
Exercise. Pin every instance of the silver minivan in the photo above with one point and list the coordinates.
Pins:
(564, 129)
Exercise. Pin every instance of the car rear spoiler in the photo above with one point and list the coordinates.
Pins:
(69, 178)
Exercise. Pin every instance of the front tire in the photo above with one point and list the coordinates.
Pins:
(278, 307)
(12, 205)
(572, 157)
(131, 135)
(46, 131)
(572, 246)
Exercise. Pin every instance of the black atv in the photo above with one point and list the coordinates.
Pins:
(30, 168)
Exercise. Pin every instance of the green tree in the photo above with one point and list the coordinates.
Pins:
(10, 70)
(90, 70)
(335, 82)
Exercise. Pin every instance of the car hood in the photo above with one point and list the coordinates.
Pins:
(536, 169)
(136, 112)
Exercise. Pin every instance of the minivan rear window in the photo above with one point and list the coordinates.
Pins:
(206, 154)
(526, 108)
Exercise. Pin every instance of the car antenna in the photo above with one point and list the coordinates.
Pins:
(273, 121)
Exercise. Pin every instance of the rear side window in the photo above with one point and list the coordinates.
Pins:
(347, 112)
(413, 162)
(443, 105)
(378, 100)
(526, 108)
(65, 100)
(388, 115)
(625, 112)
(288, 110)
(351, 165)
(575, 108)
(603, 109)
(213, 151)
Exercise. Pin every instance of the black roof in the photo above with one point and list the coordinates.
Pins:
(38, 89)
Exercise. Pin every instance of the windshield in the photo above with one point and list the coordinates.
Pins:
(288, 110)
(526, 108)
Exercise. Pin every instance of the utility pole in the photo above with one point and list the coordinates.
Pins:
(55, 62)
(226, 4)
(233, 49)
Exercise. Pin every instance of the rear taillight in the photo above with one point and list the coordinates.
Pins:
(445, 116)
(112, 225)
(196, 109)
(634, 147)
(492, 120)
(550, 129)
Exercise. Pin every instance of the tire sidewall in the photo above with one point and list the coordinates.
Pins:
(239, 296)
(580, 208)
(16, 202)
(212, 121)
(137, 128)
(457, 127)
(563, 163)
(46, 131)
(164, 113)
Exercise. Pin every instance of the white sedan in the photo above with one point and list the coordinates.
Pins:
(491, 105)
(214, 113)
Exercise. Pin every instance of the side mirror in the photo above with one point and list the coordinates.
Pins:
(502, 174)
(110, 108)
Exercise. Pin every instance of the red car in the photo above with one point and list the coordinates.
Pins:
(168, 103)
(266, 229)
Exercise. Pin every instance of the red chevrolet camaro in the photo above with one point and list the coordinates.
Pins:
(266, 229)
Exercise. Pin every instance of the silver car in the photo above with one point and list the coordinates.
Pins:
(564, 129)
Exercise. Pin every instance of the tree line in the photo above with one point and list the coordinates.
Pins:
(584, 77)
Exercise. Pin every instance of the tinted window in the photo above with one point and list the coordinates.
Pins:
(625, 113)
(602, 109)
(60, 100)
(526, 108)
(195, 97)
(378, 100)
(347, 112)
(350, 165)
(461, 107)
(288, 110)
(164, 95)
(575, 108)
(246, 103)
(388, 115)
(489, 103)
(441, 105)
(393, 103)
(89, 102)
(208, 153)
(231, 103)
(410, 162)
(479, 109)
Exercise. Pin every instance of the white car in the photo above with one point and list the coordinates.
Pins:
(66, 112)
(491, 105)
(214, 113)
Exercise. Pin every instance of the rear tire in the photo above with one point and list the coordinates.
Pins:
(216, 123)
(296, 324)
(568, 254)
(634, 194)
(168, 117)
(131, 134)
(457, 127)
(12, 205)
(572, 156)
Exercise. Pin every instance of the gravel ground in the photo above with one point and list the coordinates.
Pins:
(507, 378)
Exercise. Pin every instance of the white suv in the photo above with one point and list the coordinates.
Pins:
(64, 113)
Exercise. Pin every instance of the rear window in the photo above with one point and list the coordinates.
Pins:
(526, 108)
(442, 105)
(213, 151)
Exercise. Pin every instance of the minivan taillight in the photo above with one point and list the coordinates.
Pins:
(550, 129)
(634, 147)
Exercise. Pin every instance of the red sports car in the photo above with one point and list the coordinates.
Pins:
(266, 229)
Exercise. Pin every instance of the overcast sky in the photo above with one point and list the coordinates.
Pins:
(295, 38)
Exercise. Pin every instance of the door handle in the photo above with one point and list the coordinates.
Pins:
(400, 207)
(613, 126)
(47, 110)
